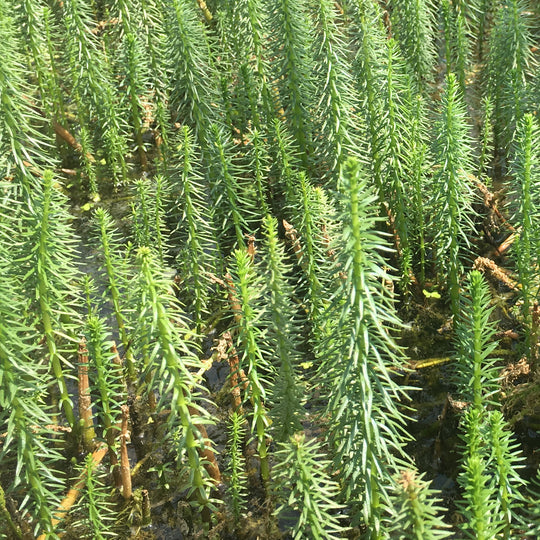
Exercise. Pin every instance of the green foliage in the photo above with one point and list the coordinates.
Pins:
(281, 337)
(233, 209)
(117, 275)
(108, 378)
(194, 232)
(47, 258)
(168, 365)
(506, 462)
(26, 448)
(452, 192)
(305, 491)
(479, 509)
(95, 506)
(369, 75)
(290, 37)
(477, 372)
(418, 170)
(415, 513)
(248, 43)
(393, 158)
(249, 287)
(413, 24)
(22, 146)
(457, 42)
(314, 216)
(91, 86)
(366, 426)
(489, 474)
(508, 69)
(237, 489)
(334, 95)
(525, 207)
(149, 215)
(293, 142)
(194, 90)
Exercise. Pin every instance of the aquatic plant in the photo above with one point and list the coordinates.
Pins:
(413, 24)
(206, 200)
(305, 492)
(248, 288)
(525, 207)
(360, 352)
(508, 69)
(452, 191)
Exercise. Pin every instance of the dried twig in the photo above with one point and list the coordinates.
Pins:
(487, 265)
(64, 134)
(125, 471)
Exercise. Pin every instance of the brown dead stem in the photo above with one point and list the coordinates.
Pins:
(291, 234)
(487, 265)
(125, 471)
(503, 248)
(489, 200)
(65, 135)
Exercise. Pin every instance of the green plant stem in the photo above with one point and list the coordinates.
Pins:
(115, 293)
(6, 516)
(45, 308)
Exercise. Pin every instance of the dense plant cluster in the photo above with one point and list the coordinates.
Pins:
(308, 184)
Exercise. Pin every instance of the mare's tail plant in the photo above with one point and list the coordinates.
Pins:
(366, 426)
(476, 376)
(369, 77)
(479, 503)
(415, 514)
(116, 273)
(107, 383)
(452, 191)
(149, 215)
(287, 161)
(194, 234)
(91, 84)
(289, 41)
(237, 488)
(193, 91)
(47, 258)
(281, 338)
(23, 149)
(95, 506)
(419, 165)
(414, 25)
(248, 289)
(314, 220)
(508, 69)
(525, 204)
(334, 96)
(249, 52)
(170, 364)
(489, 474)
(306, 494)
(258, 153)
(393, 158)
(457, 42)
(27, 449)
(232, 197)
